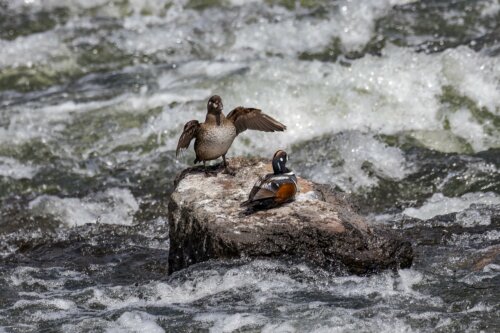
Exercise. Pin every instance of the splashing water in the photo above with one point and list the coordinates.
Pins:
(394, 101)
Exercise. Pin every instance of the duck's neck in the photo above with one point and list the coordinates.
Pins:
(280, 168)
(214, 116)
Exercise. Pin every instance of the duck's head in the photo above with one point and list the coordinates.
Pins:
(215, 104)
(279, 162)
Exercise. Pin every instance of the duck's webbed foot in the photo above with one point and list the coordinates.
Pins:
(209, 173)
(227, 169)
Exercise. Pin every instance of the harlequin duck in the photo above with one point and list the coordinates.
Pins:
(275, 188)
(214, 137)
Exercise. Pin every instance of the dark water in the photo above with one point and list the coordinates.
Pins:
(394, 101)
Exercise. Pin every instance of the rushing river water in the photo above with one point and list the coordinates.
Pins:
(397, 102)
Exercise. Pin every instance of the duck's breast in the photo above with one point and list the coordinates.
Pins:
(215, 141)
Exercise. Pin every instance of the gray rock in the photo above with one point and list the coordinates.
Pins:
(320, 226)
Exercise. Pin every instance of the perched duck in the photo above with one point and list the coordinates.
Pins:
(214, 137)
(275, 188)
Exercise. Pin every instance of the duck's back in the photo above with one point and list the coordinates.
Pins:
(272, 190)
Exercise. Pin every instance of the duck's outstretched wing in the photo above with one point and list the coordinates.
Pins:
(189, 132)
(250, 118)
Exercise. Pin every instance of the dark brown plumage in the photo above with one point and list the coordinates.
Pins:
(189, 132)
(254, 119)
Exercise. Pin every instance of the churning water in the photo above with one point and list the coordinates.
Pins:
(395, 101)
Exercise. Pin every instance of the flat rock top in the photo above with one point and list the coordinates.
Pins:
(222, 195)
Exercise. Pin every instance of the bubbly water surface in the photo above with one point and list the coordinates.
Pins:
(394, 101)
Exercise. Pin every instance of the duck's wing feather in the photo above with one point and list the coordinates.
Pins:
(189, 132)
(250, 118)
(278, 187)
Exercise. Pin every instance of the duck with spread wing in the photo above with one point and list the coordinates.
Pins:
(214, 136)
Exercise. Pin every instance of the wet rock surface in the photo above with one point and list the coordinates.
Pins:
(320, 226)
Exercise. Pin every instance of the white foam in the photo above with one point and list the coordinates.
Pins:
(49, 123)
(439, 204)
(461, 122)
(473, 217)
(114, 206)
(279, 328)
(265, 36)
(472, 239)
(243, 2)
(396, 92)
(383, 285)
(351, 21)
(27, 276)
(12, 168)
(45, 123)
(480, 307)
(378, 324)
(263, 283)
(135, 322)
(473, 76)
(348, 169)
(57, 303)
(99, 7)
(223, 322)
(262, 32)
(264, 288)
(198, 287)
(356, 149)
(33, 49)
(490, 8)
(357, 20)
(491, 268)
